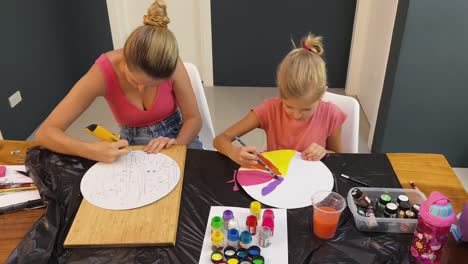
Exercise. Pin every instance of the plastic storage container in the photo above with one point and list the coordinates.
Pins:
(382, 224)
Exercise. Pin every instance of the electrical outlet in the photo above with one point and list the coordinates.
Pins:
(15, 99)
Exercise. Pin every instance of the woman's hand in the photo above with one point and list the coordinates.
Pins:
(108, 152)
(245, 156)
(157, 144)
(314, 152)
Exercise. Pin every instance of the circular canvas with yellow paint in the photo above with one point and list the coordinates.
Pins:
(299, 179)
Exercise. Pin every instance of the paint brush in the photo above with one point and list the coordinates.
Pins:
(354, 180)
(261, 161)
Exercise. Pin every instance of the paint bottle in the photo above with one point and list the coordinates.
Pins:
(383, 200)
(245, 240)
(242, 254)
(264, 237)
(233, 224)
(409, 214)
(233, 238)
(254, 251)
(230, 251)
(402, 198)
(415, 208)
(227, 216)
(390, 210)
(216, 224)
(268, 213)
(436, 216)
(251, 224)
(216, 256)
(370, 212)
(258, 260)
(256, 209)
(217, 240)
(360, 198)
(270, 223)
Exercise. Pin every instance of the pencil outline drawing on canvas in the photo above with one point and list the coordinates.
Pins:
(132, 181)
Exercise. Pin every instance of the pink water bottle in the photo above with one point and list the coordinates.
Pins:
(436, 215)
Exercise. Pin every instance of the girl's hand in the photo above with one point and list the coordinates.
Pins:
(314, 152)
(157, 144)
(245, 156)
(108, 152)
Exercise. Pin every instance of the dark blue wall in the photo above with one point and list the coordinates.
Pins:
(45, 48)
(424, 104)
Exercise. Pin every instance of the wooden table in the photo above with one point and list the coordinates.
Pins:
(430, 172)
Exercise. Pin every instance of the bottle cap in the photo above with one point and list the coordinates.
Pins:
(217, 237)
(233, 234)
(254, 251)
(402, 198)
(233, 224)
(242, 253)
(391, 208)
(384, 199)
(216, 222)
(255, 207)
(228, 215)
(268, 213)
(246, 237)
(251, 221)
(356, 193)
(216, 256)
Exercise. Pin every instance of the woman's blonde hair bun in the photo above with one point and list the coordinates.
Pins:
(157, 15)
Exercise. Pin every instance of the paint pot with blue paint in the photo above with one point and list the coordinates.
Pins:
(254, 251)
(233, 238)
(242, 254)
(245, 240)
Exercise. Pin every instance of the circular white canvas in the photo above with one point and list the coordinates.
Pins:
(132, 181)
(304, 178)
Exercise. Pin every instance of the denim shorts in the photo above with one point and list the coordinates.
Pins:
(169, 127)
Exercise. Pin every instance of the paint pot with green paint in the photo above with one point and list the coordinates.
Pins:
(258, 260)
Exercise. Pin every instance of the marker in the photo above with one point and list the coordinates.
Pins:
(413, 185)
(102, 133)
(354, 180)
(261, 161)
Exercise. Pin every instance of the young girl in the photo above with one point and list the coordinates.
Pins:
(147, 89)
(298, 119)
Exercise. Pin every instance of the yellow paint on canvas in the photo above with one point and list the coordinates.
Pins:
(280, 158)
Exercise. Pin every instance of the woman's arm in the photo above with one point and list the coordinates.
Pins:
(241, 155)
(187, 102)
(334, 142)
(51, 133)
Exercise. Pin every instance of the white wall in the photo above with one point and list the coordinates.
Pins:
(372, 35)
(190, 22)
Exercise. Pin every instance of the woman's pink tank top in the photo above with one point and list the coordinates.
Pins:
(124, 111)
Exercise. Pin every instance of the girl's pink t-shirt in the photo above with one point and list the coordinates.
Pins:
(285, 132)
(124, 111)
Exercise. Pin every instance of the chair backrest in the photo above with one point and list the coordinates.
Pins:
(350, 129)
(207, 133)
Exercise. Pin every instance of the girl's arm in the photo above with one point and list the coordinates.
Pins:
(241, 155)
(187, 102)
(51, 133)
(334, 142)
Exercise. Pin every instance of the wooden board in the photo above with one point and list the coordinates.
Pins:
(151, 225)
(430, 172)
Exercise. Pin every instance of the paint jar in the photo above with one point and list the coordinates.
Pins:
(233, 238)
(258, 260)
(217, 240)
(229, 252)
(245, 240)
(384, 199)
(233, 260)
(245, 261)
(216, 224)
(370, 212)
(216, 257)
(242, 254)
(256, 209)
(251, 224)
(360, 198)
(264, 237)
(254, 251)
(270, 223)
(390, 210)
(227, 215)
(233, 224)
(402, 198)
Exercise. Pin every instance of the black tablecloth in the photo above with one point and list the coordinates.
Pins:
(206, 173)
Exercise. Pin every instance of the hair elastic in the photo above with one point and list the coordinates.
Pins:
(307, 47)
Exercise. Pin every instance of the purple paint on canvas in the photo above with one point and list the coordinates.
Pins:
(270, 187)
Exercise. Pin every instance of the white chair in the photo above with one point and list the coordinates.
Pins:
(350, 129)
(207, 132)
